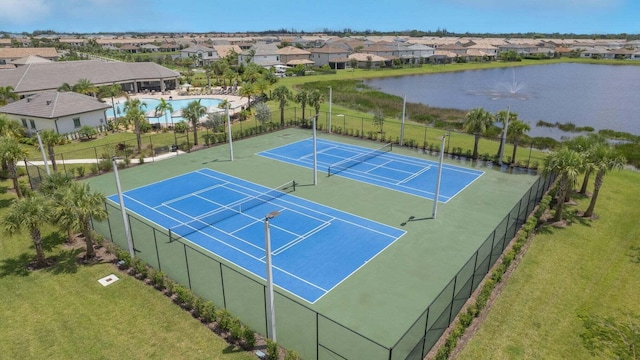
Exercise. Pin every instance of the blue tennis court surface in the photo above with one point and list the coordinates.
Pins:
(382, 168)
(314, 247)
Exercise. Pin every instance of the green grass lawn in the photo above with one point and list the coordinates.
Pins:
(588, 268)
(64, 313)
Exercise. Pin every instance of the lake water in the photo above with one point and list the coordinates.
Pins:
(600, 96)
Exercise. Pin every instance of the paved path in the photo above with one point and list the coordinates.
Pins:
(94, 161)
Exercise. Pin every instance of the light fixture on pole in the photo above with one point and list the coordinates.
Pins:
(125, 219)
(271, 315)
(330, 101)
(229, 130)
(435, 200)
(44, 157)
(315, 155)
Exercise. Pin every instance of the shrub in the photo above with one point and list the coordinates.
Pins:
(272, 350)
(105, 165)
(94, 169)
(158, 280)
(124, 258)
(235, 330)
(184, 296)
(208, 312)
(248, 338)
(80, 170)
(291, 355)
(224, 320)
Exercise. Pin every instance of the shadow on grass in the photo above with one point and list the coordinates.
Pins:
(5, 203)
(66, 262)
(575, 216)
(18, 266)
(232, 349)
(52, 241)
(635, 254)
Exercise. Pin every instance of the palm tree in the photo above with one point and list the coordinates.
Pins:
(282, 94)
(10, 153)
(605, 158)
(501, 117)
(302, 98)
(517, 129)
(193, 112)
(29, 213)
(133, 109)
(477, 122)
(85, 87)
(230, 75)
(261, 86)
(65, 87)
(10, 128)
(247, 90)
(79, 207)
(110, 91)
(162, 108)
(566, 163)
(54, 187)
(316, 98)
(586, 145)
(6, 94)
(50, 139)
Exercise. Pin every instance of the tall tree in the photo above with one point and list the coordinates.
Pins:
(261, 87)
(247, 90)
(111, 91)
(302, 98)
(10, 128)
(10, 153)
(566, 163)
(316, 98)
(193, 112)
(6, 94)
(29, 213)
(134, 110)
(517, 129)
(54, 187)
(50, 139)
(282, 94)
(604, 158)
(501, 117)
(477, 121)
(163, 107)
(85, 87)
(79, 207)
(587, 145)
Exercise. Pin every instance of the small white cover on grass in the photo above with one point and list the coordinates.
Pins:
(107, 280)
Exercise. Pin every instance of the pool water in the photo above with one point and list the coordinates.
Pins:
(177, 104)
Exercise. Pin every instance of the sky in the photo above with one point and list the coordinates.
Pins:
(459, 16)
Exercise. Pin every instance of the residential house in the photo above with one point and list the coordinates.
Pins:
(421, 52)
(8, 55)
(62, 112)
(289, 53)
(330, 56)
(204, 54)
(263, 54)
(369, 61)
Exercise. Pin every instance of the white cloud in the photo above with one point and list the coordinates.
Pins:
(19, 11)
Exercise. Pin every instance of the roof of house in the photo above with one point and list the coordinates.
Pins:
(367, 57)
(49, 76)
(17, 53)
(292, 50)
(224, 50)
(54, 104)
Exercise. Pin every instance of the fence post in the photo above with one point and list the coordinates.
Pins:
(453, 297)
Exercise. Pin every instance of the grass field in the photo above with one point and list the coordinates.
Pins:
(64, 313)
(588, 268)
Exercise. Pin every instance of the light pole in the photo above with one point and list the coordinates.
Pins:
(315, 148)
(125, 219)
(404, 106)
(435, 200)
(330, 96)
(229, 131)
(44, 157)
(271, 315)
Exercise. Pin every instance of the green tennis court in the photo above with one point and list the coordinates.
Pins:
(392, 308)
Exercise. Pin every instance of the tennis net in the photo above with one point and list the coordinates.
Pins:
(232, 209)
(357, 159)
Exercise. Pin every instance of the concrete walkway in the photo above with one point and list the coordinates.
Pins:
(119, 159)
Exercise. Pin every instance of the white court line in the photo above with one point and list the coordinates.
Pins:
(415, 175)
(301, 238)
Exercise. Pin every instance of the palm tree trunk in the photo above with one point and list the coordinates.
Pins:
(594, 197)
(513, 155)
(13, 174)
(475, 146)
(88, 239)
(37, 243)
(560, 200)
(282, 116)
(583, 189)
(195, 134)
(52, 157)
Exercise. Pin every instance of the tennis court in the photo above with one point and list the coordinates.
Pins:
(379, 167)
(314, 247)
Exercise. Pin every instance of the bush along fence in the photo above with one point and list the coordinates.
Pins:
(219, 320)
(475, 308)
(245, 295)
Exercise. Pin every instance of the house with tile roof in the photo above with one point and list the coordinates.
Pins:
(205, 54)
(133, 77)
(62, 112)
(263, 54)
(289, 53)
(8, 55)
(331, 56)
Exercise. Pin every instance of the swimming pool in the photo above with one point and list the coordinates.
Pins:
(177, 104)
